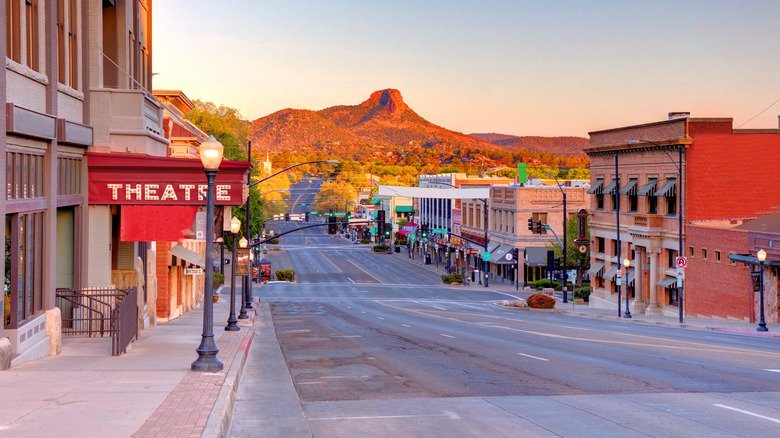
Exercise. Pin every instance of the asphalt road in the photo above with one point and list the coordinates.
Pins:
(376, 346)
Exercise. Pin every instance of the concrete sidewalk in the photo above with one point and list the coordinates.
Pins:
(147, 392)
(583, 310)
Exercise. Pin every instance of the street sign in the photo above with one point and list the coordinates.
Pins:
(680, 272)
(439, 230)
(408, 228)
(681, 262)
(193, 271)
(486, 256)
(412, 237)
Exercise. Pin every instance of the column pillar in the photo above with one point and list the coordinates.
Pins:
(639, 300)
(653, 308)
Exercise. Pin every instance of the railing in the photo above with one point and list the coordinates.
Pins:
(100, 312)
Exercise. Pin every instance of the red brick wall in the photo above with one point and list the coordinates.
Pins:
(163, 279)
(732, 175)
(717, 289)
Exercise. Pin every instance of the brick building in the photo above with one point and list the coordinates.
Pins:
(720, 167)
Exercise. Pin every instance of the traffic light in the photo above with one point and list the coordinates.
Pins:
(388, 227)
(531, 224)
(307, 216)
(538, 227)
(332, 226)
(349, 215)
(287, 217)
(380, 216)
(516, 253)
(424, 230)
(380, 226)
(557, 264)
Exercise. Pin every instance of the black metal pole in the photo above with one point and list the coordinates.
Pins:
(247, 292)
(222, 255)
(207, 350)
(485, 263)
(680, 228)
(232, 322)
(617, 224)
(761, 322)
(565, 259)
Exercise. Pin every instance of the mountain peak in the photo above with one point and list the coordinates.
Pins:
(389, 99)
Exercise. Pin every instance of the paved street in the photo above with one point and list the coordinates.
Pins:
(376, 346)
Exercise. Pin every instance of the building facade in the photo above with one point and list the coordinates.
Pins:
(635, 183)
(45, 133)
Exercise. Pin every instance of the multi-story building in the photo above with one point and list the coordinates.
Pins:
(77, 77)
(510, 208)
(719, 165)
(46, 131)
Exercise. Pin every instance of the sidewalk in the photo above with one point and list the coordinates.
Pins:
(147, 392)
(583, 310)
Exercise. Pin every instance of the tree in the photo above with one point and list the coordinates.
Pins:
(576, 259)
(335, 195)
(225, 124)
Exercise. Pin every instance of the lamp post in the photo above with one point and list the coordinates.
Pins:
(565, 259)
(246, 291)
(232, 322)
(627, 263)
(210, 156)
(243, 243)
(617, 221)
(679, 211)
(761, 323)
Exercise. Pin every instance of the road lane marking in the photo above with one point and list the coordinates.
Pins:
(353, 281)
(466, 305)
(295, 331)
(534, 357)
(348, 336)
(345, 377)
(448, 336)
(447, 414)
(379, 317)
(773, 371)
(440, 308)
(747, 413)
(696, 346)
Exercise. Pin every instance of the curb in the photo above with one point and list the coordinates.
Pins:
(219, 420)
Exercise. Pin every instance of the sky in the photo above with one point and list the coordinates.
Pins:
(546, 68)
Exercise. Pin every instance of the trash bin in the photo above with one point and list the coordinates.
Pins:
(397, 249)
(427, 259)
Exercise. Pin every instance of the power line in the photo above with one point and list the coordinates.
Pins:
(762, 112)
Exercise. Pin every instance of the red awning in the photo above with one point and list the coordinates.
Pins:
(163, 223)
(124, 179)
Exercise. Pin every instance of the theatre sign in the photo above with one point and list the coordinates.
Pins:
(143, 180)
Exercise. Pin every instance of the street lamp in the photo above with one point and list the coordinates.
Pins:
(761, 323)
(232, 326)
(211, 156)
(565, 259)
(243, 243)
(627, 263)
(679, 210)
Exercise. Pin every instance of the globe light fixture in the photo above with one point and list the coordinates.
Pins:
(211, 153)
(761, 254)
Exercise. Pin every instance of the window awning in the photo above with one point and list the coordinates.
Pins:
(630, 277)
(668, 282)
(630, 188)
(611, 273)
(596, 187)
(610, 190)
(596, 269)
(498, 256)
(187, 255)
(404, 209)
(535, 256)
(375, 201)
(372, 230)
(492, 246)
(648, 189)
(668, 189)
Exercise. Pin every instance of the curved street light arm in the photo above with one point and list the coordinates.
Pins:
(293, 166)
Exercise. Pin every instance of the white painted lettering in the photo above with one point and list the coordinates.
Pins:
(202, 190)
(222, 192)
(169, 193)
(129, 190)
(114, 190)
(186, 188)
(150, 192)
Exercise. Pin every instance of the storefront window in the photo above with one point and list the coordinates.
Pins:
(23, 246)
(7, 284)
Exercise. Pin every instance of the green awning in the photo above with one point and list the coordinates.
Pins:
(373, 215)
(404, 209)
(375, 201)
(372, 230)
